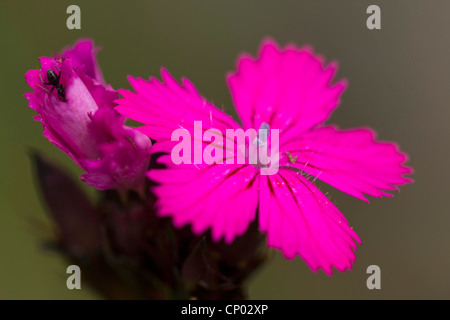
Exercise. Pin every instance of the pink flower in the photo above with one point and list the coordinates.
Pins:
(290, 90)
(78, 116)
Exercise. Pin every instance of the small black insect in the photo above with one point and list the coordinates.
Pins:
(53, 80)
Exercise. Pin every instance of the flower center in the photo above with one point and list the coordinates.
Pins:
(260, 146)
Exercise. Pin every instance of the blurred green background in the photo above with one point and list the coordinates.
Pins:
(399, 85)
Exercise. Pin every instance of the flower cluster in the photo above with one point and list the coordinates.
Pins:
(223, 206)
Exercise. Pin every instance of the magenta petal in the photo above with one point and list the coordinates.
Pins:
(290, 89)
(65, 123)
(71, 120)
(165, 106)
(225, 197)
(349, 160)
(82, 122)
(300, 220)
(124, 154)
(83, 56)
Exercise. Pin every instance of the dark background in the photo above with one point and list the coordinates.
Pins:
(399, 85)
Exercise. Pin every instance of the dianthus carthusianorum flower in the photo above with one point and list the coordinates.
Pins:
(76, 109)
(292, 91)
